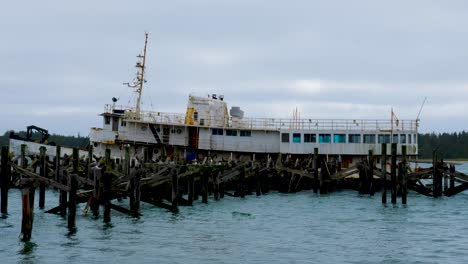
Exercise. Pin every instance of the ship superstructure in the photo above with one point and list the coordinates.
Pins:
(208, 129)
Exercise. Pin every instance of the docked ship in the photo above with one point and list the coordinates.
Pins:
(208, 130)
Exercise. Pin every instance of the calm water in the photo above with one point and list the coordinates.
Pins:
(276, 228)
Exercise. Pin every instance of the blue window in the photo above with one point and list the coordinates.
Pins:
(324, 138)
(354, 138)
(339, 138)
(384, 139)
(297, 138)
(369, 139)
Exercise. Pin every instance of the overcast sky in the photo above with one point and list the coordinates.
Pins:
(61, 61)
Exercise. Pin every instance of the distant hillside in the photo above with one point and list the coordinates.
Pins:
(448, 145)
(68, 141)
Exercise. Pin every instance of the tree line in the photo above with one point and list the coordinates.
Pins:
(448, 145)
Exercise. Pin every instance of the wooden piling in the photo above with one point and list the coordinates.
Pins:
(445, 176)
(5, 178)
(175, 190)
(393, 174)
(94, 203)
(404, 180)
(383, 169)
(107, 158)
(191, 186)
(204, 189)
(370, 174)
(107, 182)
(72, 201)
(57, 163)
(435, 175)
(89, 160)
(216, 185)
(43, 173)
(258, 179)
(27, 215)
(137, 181)
(452, 176)
(241, 184)
(63, 194)
(316, 176)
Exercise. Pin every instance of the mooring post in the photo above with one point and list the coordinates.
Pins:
(89, 161)
(383, 169)
(107, 182)
(259, 181)
(434, 174)
(452, 176)
(393, 173)
(27, 214)
(94, 205)
(197, 186)
(57, 163)
(190, 189)
(63, 194)
(216, 186)
(107, 158)
(175, 190)
(5, 179)
(324, 175)
(221, 186)
(204, 182)
(404, 180)
(137, 180)
(445, 176)
(43, 172)
(370, 174)
(72, 201)
(126, 171)
(316, 176)
(242, 182)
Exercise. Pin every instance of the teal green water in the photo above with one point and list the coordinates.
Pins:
(342, 227)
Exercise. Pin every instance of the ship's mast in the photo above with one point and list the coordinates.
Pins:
(140, 78)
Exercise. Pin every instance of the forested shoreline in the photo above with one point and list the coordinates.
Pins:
(449, 145)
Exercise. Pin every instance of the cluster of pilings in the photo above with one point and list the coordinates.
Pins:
(97, 181)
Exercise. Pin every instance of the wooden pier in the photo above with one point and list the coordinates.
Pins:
(98, 181)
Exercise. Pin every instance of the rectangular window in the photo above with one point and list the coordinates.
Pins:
(202, 121)
(369, 139)
(310, 138)
(285, 137)
(230, 132)
(383, 139)
(415, 139)
(245, 133)
(217, 131)
(123, 123)
(107, 120)
(395, 138)
(297, 138)
(324, 138)
(403, 139)
(410, 139)
(339, 138)
(354, 138)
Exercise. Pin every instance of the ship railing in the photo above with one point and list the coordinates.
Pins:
(273, 123)
(326, 124)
